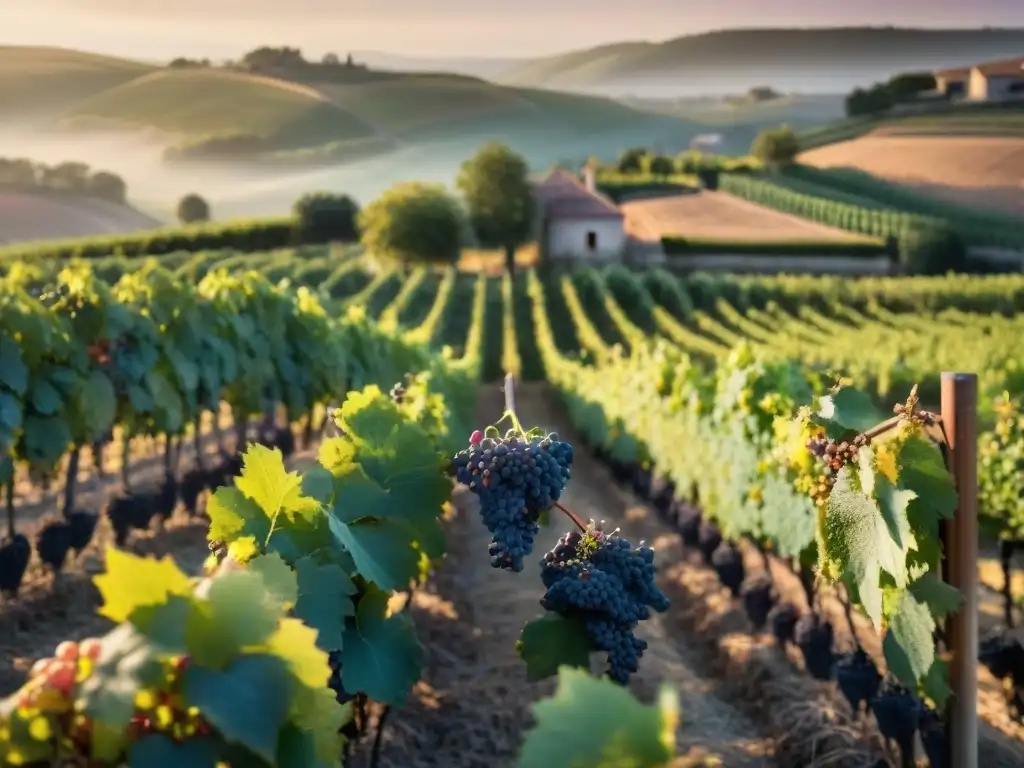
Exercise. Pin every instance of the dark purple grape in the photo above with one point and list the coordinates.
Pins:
(688, 520)
(933, 737)
(857, 677)
(813, 636)
(898, 714)
(709, 536)
(783, 618)
(728, 564)
(758, 599)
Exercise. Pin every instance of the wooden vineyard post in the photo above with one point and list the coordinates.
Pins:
(960, 541)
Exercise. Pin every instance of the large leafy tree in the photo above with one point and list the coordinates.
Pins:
(413, 222)
(193, 209)
(496, 187)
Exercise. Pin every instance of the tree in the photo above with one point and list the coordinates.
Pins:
(193, 209)
(324, 216)
(660, 165)
(107, 186)
(413, 222)
(776, 146)
(630, 160)
(496, 187)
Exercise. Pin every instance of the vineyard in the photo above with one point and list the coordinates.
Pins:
(362, 513)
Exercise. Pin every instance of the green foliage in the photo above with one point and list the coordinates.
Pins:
(192, 209)
(1001, 472)
(776, 146)
(496, 188)
(680, 246)
(931, 250)
(413, 222)
(882, 97)
(323, 217)
(631, 160)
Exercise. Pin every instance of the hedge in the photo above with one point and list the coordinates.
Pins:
(683, 246)
(249, 235)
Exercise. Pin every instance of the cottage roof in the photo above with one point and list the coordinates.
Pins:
(566, 197)
(1004, 68)
(957, 73)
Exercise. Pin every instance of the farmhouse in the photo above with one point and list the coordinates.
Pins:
(997, 80)
(952, 83)
(576, 221)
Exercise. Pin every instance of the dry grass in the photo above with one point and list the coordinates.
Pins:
(982, 171)
(720, 216)
(492, 262)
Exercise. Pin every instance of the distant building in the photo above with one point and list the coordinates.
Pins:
(576, 221)
(952, 83)
(997, 80)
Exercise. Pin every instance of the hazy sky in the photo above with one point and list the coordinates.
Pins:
(222, 28)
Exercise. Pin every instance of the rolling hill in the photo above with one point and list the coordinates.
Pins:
(818, 60)
(37, 81)
(28, 216)
(206, 113)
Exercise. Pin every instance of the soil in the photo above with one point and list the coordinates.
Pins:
(474, 701)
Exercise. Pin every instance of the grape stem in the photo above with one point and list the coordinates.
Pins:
(510, 414)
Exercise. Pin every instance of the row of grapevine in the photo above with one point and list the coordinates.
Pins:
(264, 661)
(749, 461)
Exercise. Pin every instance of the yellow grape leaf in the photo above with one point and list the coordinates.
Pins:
(294, 642)
(244, 549)
(265, 480)
(132, 582)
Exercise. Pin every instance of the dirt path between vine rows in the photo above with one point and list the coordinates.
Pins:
(473, 705)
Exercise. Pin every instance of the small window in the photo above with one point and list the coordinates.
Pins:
(591, 241)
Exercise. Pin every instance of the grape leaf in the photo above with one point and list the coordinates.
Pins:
(13, 371)
(248, 702)
(361, 521)
(158, 751)
(265, 480)
(234, 516)
(941, 598)
(591, 723)
(324, 600)
(237, 612)
(368, 416)
(279, 579)
(789, 517)
(128, 662)
(294, 642)
(848, 410)
(922, 470)
(336, 452)
(381, 655)
(550, 642)
(132, 582)
(45, 398)
(908, 646)
(319, 714)
(864, 535)
(318, 483)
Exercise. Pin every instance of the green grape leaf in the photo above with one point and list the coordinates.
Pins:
(941, 598)
(922, 470)
(369, 415)
(381, 656)
(131, 582)
(788, 517)
(908, 646)
(46, 438)
(279, 579)
(158, 751)
(318, 483)
(591, 723)
(21, 742)
(848, 410)
(98, 403)
(237, 612)
(553, 641)
(297, 748)
(361, 520)
(319, 714)
(294, 642)
(167, 401)
(866, 531)
(234, 516)
(324, 600)
(247, 703)
(45, 398)
(128, 662)
(13, 371)
(936, 684)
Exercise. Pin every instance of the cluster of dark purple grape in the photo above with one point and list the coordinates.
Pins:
(516, 480)
(607, 583)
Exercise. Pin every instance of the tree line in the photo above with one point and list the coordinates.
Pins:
(69, 176)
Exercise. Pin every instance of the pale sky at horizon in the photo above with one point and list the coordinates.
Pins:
(161, 29)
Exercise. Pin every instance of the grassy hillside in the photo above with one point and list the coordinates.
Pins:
(36, 81)
(27, 216)
(196, 103)
(849, 54)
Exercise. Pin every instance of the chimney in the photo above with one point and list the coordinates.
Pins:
(590, 177)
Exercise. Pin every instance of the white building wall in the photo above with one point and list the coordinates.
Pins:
(994, 88)
(567, 238)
